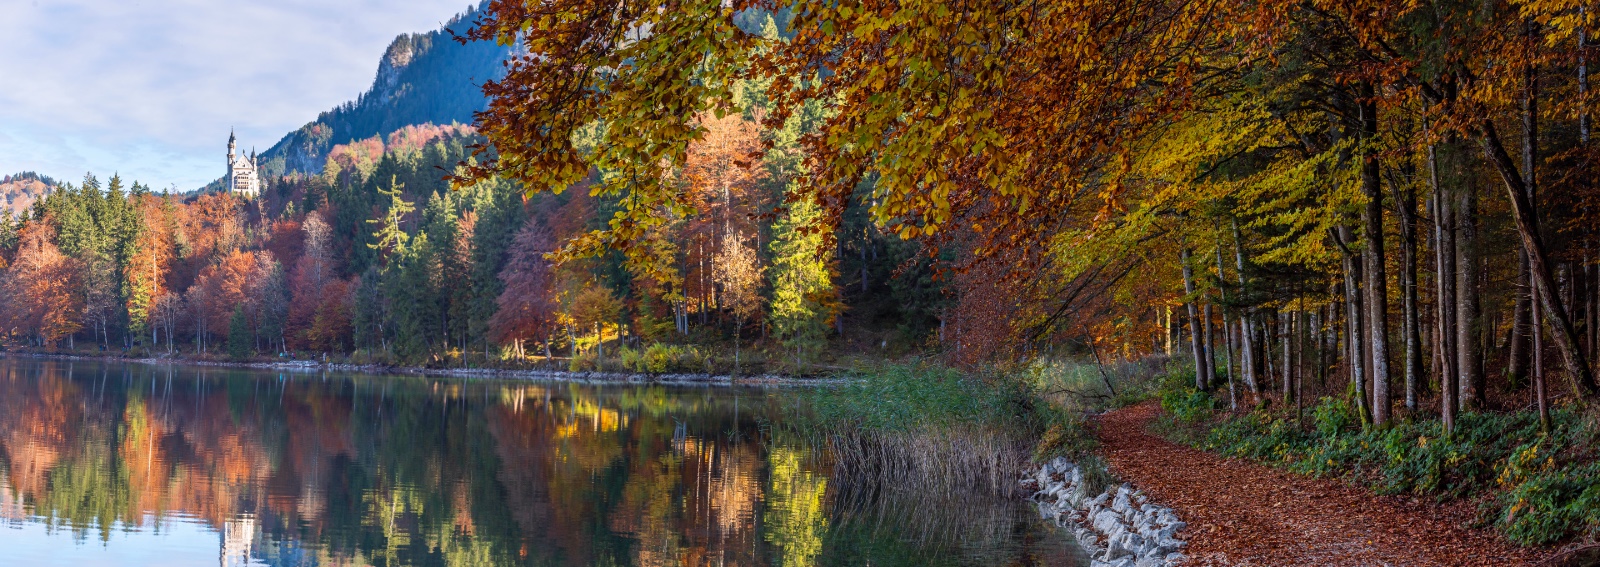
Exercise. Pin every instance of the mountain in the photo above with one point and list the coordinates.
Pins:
(19, 191)
(423, 78)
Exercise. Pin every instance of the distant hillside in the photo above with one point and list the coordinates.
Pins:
(19, 191)
(424, 78)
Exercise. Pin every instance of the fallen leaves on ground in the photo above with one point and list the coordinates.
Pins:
(1246, 514)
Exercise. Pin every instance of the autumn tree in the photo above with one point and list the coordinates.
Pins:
(527, 306)
(40, 287)
(738, 272)
(594, 308)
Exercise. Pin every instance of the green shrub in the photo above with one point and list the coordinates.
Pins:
(661, 358)
(1188, 405)
(1552, 505)
(583, 362)
(1334, 416)
(1068, 436)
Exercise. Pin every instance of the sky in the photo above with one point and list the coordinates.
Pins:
(150, 88)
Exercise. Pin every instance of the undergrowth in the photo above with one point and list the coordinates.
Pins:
(1537, 488)
(925, 426)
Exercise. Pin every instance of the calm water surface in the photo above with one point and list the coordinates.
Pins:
(113, 464)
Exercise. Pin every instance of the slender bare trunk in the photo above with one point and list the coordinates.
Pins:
(1444, 263)
(1538, 373)
(1377, 286)
(1208, 346)
(1247, 359)
(1201, 370)
(1227, 333)
(1286, 368)
(1411, 325)
(1354, 343)
(1469, 324)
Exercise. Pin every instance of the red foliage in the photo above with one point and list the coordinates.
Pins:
(223, 287)
(413, 138)
(527, 307)
(309, 281)
(286, 241)
(330, 328)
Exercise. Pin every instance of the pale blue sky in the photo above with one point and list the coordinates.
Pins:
(149, 88)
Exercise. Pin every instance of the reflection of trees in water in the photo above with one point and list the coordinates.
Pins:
(339, 470)
(891, 527)
(796, 517)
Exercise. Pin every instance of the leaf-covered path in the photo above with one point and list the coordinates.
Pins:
(1242, 513)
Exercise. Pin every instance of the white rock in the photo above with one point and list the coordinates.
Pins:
(1102, 500)
(1115, 552)
(1121, 503)
(1107, 521)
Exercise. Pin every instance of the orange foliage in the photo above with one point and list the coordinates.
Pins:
(41, 289)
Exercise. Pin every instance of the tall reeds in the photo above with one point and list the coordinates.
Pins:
(923, 428)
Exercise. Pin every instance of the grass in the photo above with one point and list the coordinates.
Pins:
(1093, 387)
(1536, 487)
(926, 427)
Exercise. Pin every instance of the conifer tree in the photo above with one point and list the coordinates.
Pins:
(804, 299)
(238, 334)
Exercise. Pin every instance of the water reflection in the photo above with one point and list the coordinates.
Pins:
(135, 464)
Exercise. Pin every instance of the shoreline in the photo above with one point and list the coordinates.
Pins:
(530, 375)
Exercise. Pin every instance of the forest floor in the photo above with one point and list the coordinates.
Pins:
(1242, 513)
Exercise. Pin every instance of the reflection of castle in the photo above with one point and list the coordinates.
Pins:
(238, 535)
(243, 177)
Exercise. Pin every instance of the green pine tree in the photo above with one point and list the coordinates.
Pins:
(239, 334)
(391, 239)
(804, 299)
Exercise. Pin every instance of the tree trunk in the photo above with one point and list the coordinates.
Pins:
(1579, 375)
(1538, 373)
(1286, 368)
(1247, 357)
(1517, 360)
(1469, 325)
(1201, 370)
(1207, 346)
(1444, 263)
(1411, 327)
(1227, 333)
(1377, 290)
(1354, 343)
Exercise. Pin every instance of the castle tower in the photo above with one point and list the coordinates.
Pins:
(243, 176)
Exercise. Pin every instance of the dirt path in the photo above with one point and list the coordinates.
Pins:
(1242, 513)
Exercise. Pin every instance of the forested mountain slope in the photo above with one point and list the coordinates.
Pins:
(423, 78)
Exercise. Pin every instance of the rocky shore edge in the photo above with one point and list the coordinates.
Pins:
(1118, 528)
(533, 375)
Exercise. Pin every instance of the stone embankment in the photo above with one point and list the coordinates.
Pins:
(1119, 527)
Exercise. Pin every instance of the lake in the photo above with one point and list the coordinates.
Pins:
(136, 464)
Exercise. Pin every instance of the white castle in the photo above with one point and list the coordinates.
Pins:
(243, 177)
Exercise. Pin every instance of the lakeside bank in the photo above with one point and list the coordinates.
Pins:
(535, 375)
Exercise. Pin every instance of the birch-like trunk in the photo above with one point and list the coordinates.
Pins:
(1201, 369)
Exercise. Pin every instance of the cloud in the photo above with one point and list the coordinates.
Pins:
(150, 88)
